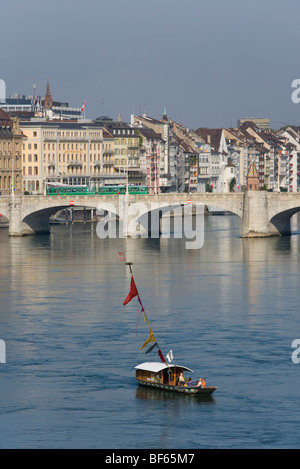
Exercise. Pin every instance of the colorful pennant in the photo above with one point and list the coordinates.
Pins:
(151, 348)
(132, 294)
(151, 338)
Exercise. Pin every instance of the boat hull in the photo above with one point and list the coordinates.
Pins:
(191, 390)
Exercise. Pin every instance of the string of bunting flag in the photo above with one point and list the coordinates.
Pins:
(132, 294)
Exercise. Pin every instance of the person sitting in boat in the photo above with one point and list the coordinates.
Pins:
(191, 382)
(201, 383)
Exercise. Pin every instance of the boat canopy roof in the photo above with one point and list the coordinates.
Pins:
(156, 367)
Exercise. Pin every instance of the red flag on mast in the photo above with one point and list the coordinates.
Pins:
(133, 292)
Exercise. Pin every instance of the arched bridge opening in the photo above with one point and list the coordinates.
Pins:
(39, 221)
(282, 220)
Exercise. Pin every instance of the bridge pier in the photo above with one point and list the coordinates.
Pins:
(16, 226)
(255, 221)
(133, 218)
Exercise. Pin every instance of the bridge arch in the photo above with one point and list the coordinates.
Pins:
(282, 220)
(38, 221)
(281, 208)
(231, 202)
(161, 218)
(149, 218)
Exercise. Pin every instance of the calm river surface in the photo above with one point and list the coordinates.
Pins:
(229, 311)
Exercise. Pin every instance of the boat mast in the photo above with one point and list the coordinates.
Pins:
(152, 337)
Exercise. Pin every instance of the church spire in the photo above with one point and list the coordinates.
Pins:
(48, 98)
(165, 117)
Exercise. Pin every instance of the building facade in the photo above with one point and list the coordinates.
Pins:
(167, 177)
(289, 163)
(10, 155)
(150, 150)
(67, 152)
(126, 152)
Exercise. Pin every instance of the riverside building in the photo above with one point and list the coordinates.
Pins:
(66, 152)
(10, 155)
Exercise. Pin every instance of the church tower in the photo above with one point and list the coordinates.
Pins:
(252, 178)
(48, 98)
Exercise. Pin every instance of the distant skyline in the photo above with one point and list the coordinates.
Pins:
(208, 63)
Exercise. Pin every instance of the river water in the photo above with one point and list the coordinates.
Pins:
(229, 311)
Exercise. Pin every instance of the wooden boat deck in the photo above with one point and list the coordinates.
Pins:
(180, 389)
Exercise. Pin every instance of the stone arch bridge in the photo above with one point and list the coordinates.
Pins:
(262, 213)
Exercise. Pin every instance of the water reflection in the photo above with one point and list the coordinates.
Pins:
(229, 310)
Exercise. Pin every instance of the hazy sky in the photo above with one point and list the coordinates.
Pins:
(208, 62)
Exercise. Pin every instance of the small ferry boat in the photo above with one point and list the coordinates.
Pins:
(162, 375)
(166, 377)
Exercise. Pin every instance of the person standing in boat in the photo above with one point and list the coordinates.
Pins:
(181, 379)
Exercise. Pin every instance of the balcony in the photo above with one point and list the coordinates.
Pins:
(75, 163)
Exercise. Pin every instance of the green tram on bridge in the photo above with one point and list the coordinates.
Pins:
(70, 190)
(107, 190)
(64, 189)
